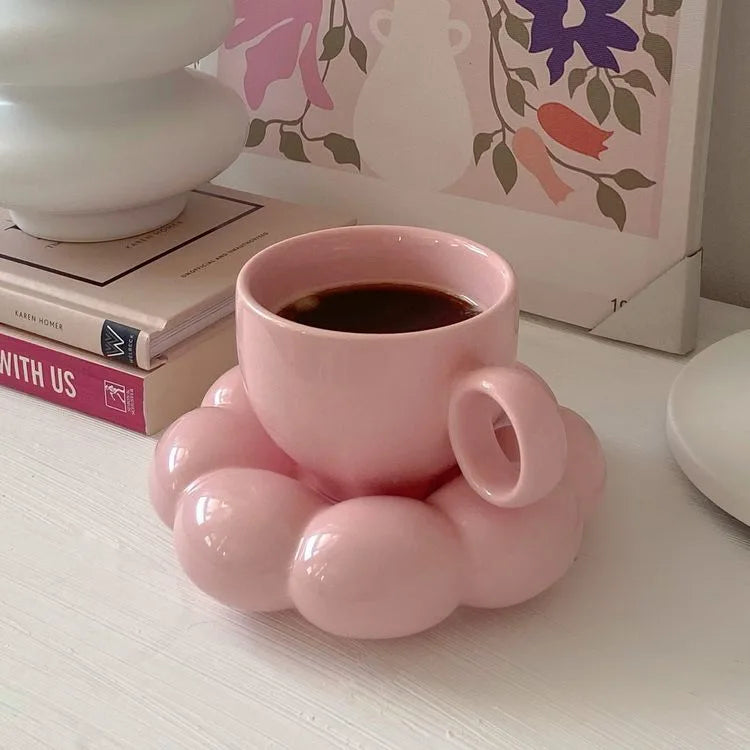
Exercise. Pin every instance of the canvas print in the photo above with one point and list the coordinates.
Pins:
(557, 107)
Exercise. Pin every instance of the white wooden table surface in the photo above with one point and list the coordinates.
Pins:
(645, 644)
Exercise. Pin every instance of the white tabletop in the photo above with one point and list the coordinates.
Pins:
(645, 644)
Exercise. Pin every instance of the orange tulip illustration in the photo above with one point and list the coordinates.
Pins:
(571, 130)
(531, 152)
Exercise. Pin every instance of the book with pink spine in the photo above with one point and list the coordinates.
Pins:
(144, 401)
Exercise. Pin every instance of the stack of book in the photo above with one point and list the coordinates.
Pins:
(135, 331)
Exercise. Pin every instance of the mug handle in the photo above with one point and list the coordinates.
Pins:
(376, 19)
(465, 32)
(531, 411)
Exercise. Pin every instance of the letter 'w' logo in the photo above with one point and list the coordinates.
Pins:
(114, 343)
(118, 341)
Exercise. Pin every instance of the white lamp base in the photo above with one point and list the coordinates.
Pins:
(99, 227)
(103, 132)
(708, 424)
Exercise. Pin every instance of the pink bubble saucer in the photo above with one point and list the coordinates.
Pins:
(250, 533)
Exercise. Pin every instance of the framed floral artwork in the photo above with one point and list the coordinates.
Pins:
(569, 135)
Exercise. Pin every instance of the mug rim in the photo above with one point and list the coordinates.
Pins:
(244, 296)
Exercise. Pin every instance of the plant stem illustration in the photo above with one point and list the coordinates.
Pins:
(293, 133)
(610, 93)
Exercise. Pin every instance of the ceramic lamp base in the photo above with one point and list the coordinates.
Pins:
(99, 227)
(103, 130)
(254, 536)
(708, 424)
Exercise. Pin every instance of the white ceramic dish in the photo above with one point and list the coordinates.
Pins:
(708, 424)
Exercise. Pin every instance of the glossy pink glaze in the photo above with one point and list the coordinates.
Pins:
(369, 556)
(511, 554)
(586, 469)
(378, 423)
(368, 414)
(369, 567)
(208, 439)
(236, 533)
(539, 432)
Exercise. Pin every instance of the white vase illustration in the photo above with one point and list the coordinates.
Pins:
(412, 121)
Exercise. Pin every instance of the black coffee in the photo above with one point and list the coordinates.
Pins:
(380, 308)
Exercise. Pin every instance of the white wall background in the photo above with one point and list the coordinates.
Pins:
(726, 227)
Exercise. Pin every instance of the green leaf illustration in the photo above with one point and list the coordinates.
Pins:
(482, 144)
(344, 149)
(597, 94)
(505, 166)
(632, 179)
(257, 133)
(627, 110)
(576, 79)
(667, 7)
(637, 79)
(358, 51)
(333, 43)
(517, 30)
(496, 23)
(516, 96)
(292, 147)
(527, 74)
(612, 205)
(661, 50)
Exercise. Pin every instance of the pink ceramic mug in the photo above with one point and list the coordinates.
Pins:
(367, 414)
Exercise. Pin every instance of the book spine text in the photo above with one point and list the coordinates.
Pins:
(87, 387)
(66, 325)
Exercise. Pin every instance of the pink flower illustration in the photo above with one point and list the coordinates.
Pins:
(530, 150)
(282, 35)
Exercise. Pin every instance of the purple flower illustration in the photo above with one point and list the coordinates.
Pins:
(597, 34)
